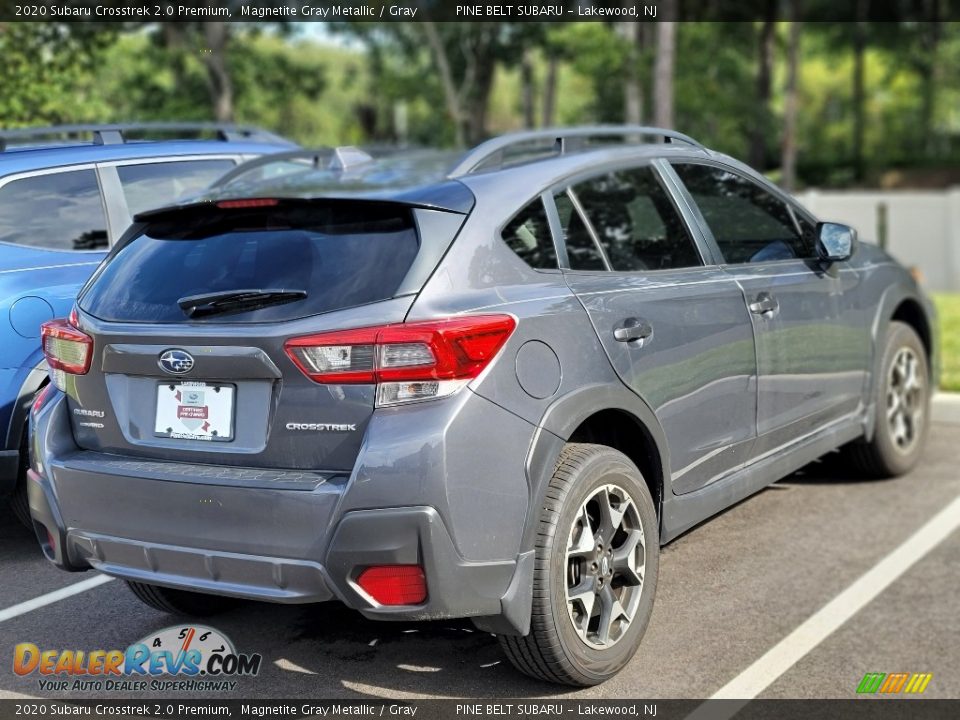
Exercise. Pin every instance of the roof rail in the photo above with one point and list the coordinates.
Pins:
(116, 134)
(492, 152)
(317, 157)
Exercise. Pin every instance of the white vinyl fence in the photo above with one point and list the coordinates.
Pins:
(920, 228)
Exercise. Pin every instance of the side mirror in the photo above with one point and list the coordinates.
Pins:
(835, 242)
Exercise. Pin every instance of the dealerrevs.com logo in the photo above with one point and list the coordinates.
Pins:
(184, 658)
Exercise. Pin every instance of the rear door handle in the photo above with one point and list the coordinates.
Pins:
(765, 304)
(633, 330)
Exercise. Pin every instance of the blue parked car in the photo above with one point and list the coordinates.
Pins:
(66, 193)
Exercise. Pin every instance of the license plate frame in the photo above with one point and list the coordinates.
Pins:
(195, 410)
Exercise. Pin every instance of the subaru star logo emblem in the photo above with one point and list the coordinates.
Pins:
(176, 362)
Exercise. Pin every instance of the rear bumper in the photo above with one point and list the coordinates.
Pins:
(295, 543)
(456, 588)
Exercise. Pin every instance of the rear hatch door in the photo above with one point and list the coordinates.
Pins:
(190, 316)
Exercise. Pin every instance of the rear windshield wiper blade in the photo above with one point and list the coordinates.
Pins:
(232, 301)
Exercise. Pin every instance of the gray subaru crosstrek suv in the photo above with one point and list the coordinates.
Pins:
(492, 391)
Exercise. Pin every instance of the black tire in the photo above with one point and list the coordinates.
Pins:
(19, 502)
(180, 602)
(885, 455)
(554, 650)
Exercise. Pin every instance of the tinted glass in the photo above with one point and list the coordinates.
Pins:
(749, 223)
(342, 255)
(636, 221)
(61, 211)
(582, 251)
(528, 235)
(153, 185)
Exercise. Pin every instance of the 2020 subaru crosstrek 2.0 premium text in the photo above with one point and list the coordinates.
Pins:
(491, 392)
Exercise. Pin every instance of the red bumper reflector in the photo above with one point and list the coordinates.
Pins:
(394, 584)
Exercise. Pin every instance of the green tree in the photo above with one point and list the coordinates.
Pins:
(47, 69)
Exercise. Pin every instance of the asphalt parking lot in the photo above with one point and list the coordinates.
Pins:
(730, 591)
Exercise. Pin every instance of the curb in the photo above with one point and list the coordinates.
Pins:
(946, 408)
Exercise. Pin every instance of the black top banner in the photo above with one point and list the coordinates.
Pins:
(503, 11)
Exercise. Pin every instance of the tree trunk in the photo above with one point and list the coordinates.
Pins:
(932, 76)
(663, 70)
(761, 123)
(550, 91)
(527, 83)
(859, 95)
(450, 94)
(478, 99)
(218, 73)
(788, 163)
(633, 82)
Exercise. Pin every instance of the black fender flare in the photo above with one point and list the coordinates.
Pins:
(562, 418)
(559, 421)
(890, 300)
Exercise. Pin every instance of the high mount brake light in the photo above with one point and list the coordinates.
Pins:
(250, 203)
(408, 361)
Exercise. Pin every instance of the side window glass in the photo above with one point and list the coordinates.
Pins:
(636, 222)
(749, 223)
(582, 251)
(152, 185)
(57, 211)
(528, 235)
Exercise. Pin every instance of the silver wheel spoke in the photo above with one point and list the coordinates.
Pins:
(583, 543)
(625, 564)
(611, 517)
(584, 594)
(611, 613)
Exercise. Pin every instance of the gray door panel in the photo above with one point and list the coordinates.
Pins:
(696, 367)
(811, 349)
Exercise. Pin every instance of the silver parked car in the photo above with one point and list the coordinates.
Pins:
(492, 391)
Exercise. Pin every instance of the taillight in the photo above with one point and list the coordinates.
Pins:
(68, 349)
(409, 361)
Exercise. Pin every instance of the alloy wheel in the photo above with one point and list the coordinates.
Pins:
(605, 567)
(905, 398)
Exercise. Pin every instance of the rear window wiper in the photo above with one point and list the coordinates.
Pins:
(233, 301)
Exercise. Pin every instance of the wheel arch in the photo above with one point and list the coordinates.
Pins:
(605, 415)
(911, 312)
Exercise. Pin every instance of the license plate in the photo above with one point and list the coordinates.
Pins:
(195, 411)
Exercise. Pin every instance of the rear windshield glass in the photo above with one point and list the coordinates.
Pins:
(339, 255)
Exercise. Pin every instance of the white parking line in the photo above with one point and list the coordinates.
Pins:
(782, 656)
(52, 597)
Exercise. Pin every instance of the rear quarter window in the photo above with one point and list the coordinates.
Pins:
(528, 235)
(343, 255)
(56, 211)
